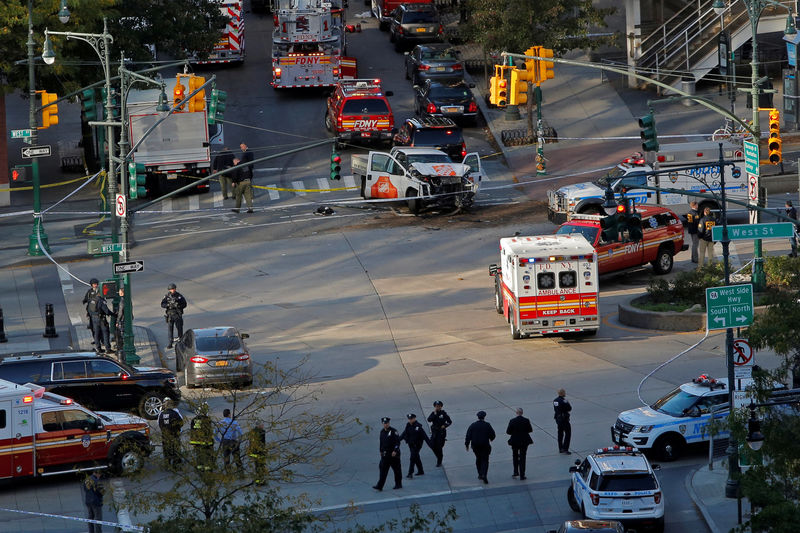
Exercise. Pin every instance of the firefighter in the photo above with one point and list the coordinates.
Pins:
(170, 421)
(201, 436)
(440, 421)
(256, 450)
(173, 303)
(93, 289)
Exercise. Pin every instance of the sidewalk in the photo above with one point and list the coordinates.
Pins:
(707, 490)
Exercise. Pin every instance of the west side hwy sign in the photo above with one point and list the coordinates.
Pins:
(729, 307)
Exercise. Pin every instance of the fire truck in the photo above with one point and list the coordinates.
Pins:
(547, 285)
(43, 434)
(308, 44)
(230, 47)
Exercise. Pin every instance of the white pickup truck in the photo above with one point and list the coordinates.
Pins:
(424, 177)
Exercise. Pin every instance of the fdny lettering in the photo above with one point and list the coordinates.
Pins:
(366, 124)
(634, 247)
(310, 60)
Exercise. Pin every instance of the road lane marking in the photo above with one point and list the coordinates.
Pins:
(273, 194)
(299, 186)
(349, 181)
(323, 184)
(218, 199)
(166, 206)
(194, 202)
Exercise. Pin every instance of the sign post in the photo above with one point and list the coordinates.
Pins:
(729, 307)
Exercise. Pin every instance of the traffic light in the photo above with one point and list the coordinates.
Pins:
(774, 142)
(115, 107)
(519, 85)
(49, 109)
(137, 178)
(610, 225)
(198, 101)
(336, 166)
(648, 134)
(178, 94)
(632, 222)
(109, 288)
(216, 107)
(544, 71)
(498, 94)
(89, 104)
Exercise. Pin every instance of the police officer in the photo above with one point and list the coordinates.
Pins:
(170, 421)
(257, 449)
(98, 311)
(93, 289)
(414, 435)
(201, 436)
(692, 219)
(520, 430)
(561, 408)
(243, 185)
(390, 455)
(440, 421)
(174, 303)
(480, 434)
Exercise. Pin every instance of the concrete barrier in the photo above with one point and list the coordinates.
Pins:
(665, 320)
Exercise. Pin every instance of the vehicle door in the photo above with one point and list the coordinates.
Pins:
(473, 161)
(8, 461)
(610, 255)
(60, 443)
(581, 484)
(385, 177)
(114, 388)
(70, 380)
(89, 430)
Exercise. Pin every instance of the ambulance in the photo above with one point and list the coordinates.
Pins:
(43, 434)
(547, 285)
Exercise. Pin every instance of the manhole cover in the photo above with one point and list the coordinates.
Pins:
(437, 363)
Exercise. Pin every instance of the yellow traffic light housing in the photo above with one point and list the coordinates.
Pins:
(774, 143)
(198, 101)
(519, 86)
(545, 70)
(49, 109)
(178, 93)
(498, 86)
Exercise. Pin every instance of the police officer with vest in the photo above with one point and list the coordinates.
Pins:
(390, 455)
(93, 289)
(170, 421)
(440, 421)
(257, 449)
(174, 303)
(414, 435)
(98, 311)
(201, 436)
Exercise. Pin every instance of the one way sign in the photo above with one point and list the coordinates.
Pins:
(128, 267)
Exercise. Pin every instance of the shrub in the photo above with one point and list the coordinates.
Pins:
(783, 272)
(687, 288)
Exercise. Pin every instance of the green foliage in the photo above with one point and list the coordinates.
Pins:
(562, 25)
(431, 522)
(783, 272)
(687, 288)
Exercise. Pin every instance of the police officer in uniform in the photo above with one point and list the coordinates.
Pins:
(480, 434)
(256, 450)
(390, 455)
(170, 421)
(174, 303)
(414, 435)
(561, 408)
(98, 310)
(93, 289)
(440, 421)
(201, 436)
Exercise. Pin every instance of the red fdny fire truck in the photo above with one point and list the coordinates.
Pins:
(230, 47)
(43, 434)
(547, 285)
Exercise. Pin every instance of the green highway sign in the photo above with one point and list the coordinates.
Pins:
(739, 232)
(21, 134)
(729, 307)
(751, 158)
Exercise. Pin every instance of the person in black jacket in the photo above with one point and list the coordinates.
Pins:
(173, 303)
(692, 218)
(390, 455)
(414, 435)
(224, 160)
(440, 421)
(90, 294)
(561, 408)
(704, 231)
(98, 311)
(170, 421)
(480, 434)
(520, 430)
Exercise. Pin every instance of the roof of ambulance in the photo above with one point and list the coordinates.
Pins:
(547, 244)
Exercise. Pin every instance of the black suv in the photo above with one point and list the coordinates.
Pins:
(415, 24)
(95, 381)
(440, 133)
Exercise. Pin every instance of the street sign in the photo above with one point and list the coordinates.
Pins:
(21, 134)
(36, 151)
(742, 353)
(742, 372)
(741, 398)
(740, 232)
(751, 164)
(121, 205)
(111, 248)
(128, 267)
(729, 307)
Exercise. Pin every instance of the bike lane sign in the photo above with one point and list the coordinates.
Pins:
(751, 165)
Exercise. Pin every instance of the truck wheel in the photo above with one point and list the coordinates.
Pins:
(663, 262)
(127, 458)
(498, 297)
(413, 201)
(668, 447)
(515, 334)
(383, 26)
(573, 503)
(150, 405)
(328, 122)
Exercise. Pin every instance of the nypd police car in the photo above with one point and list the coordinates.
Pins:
(681, 417)
(618, 484)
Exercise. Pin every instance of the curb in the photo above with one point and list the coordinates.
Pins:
(687, 482)
(659, 320)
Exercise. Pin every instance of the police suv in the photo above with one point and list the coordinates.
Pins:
(681, 417)
(618, 484)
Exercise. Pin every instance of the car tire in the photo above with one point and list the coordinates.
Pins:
(247, 383)
(498, 297)
(328, 122)
(383, 26)
(573, 503)
(413, 201)
(189, 385)
(512, 321)
(150, 405)
(392, 38)
(664, 261)
(127, 457)
(668, 447)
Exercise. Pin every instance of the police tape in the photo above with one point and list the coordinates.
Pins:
(122, 527)
(48, 186)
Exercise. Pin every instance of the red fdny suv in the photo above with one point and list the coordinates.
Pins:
(359, 112)
(662, 232)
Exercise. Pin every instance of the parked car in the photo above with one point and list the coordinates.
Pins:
(446, 99)
(433, 132)
(95, 381)
(415, 24)
(433, 61)
(216, 355)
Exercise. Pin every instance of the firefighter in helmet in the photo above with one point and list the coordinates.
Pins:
(256, 449)
(201, 437)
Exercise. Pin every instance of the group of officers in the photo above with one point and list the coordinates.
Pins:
(479, 436)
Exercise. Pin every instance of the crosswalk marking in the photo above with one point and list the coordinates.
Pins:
(273, 194)
(299, 185)
(166, 206)
(194, 202)
(349, 181)
(217, 198)
(324, 185)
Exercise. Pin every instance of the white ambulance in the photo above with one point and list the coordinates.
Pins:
(547, 285)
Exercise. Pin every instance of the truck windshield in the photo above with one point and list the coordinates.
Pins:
(612, 176)
(428, 158)
(627, 483)
(676, 403)
(587, 231)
